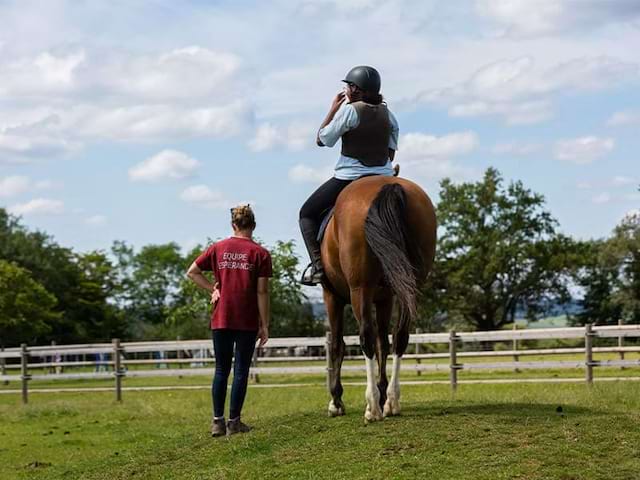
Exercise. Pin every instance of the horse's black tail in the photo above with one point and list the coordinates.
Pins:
(387, 233)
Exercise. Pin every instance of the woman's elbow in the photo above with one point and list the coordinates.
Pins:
(192, 271)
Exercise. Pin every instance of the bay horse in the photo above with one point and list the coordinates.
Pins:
(379, 246)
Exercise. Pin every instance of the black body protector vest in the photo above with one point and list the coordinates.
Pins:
(369, 141)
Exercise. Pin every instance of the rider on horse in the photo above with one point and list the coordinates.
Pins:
(369, 133)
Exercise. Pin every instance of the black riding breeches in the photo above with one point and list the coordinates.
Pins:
(313, 211)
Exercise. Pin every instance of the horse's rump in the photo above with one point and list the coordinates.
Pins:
(397, 249)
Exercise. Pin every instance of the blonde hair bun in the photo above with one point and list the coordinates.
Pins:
(242, 217)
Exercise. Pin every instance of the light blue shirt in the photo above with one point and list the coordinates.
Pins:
(348, 168)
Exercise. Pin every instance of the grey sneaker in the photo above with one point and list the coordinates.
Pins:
(218, 428)
(236, 426)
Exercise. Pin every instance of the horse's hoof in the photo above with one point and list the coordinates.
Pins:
(391, 408)
(374, 415)
(335, 411)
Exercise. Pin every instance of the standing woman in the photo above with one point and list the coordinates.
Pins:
(369, 134)
(240, 298)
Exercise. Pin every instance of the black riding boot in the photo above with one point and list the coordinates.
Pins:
(314, 273)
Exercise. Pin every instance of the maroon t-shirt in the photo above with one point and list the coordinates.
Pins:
(236, 264)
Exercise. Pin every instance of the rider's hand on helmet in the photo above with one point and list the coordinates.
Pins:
(338, 100)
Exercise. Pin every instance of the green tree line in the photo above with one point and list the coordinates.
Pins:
(49, 292)
(500, 254)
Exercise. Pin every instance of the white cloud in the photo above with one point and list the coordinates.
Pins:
(158, 122)
(167, 164)
(96, 220)
(419, 145)
(38, 206)
(14, 185)
(601, 198)
(185, 73)
(17, 184)
(542, 17)
(430, 156)
(518, 91)
(295, 137)
(621, 181)
(517, 149)
(202, 196)
(583, 150)
(624, 118)
(267, 136)
(39, 139)
(46, 73)
(514, 113)
(61, 100)
(305, 174)
(584, 185)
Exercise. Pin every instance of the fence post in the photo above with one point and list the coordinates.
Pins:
(621, 344)
(24, 372)
(3, 366)
(327, 353)
(254, 363)
(516, 357)
(117, 368)
(418, 361)
(179, 352)
(588, 353)
(453, 361)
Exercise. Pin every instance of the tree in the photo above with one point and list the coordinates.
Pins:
(59, 271)
(150, 284)
(190, 316)
(625, 247)
(610, 276)
(291, 313)
(598, 276)
(26, 307)
(98, 286)
(498, 252)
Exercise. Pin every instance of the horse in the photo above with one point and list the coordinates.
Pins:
(378, 246)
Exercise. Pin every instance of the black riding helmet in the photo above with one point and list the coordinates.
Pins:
(365, 78)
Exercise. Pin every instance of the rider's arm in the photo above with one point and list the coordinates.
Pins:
(336, 103)
(393, 136)
(344, 119)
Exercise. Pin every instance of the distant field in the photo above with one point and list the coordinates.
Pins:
(486, 432)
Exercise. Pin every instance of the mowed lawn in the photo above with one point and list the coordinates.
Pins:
(529, 431)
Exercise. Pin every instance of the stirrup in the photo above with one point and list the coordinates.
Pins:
(312, 276)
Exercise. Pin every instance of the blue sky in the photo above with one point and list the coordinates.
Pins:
(144, 121)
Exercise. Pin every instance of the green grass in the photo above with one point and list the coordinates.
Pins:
(486, 432)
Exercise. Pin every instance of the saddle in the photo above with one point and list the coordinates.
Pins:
(323, 225)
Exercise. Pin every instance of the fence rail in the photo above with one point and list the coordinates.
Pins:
(111, 359)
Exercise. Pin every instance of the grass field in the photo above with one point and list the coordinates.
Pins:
(485, 432)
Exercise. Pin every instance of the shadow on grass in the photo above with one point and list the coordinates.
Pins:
(498, 409)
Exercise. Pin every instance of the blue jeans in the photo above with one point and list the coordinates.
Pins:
(224, 341)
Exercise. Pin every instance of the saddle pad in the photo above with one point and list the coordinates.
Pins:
(324, 223)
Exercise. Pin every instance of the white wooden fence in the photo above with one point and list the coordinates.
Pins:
(113, 359)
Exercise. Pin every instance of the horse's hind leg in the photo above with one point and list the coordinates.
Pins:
(400, 342)
(362, 302)
(383, 317)
(335, 310)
